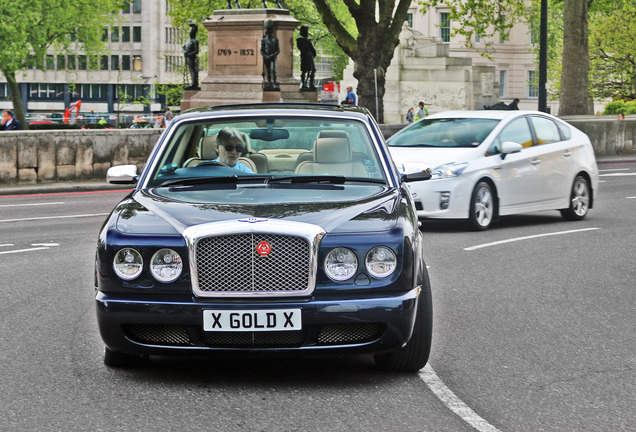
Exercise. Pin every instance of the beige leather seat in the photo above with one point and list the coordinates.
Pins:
(259, 160)
(332, 156)
(207, 152)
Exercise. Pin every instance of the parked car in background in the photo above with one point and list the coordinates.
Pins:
(487, 164)
(265, 229)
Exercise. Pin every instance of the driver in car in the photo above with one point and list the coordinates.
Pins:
(230, 146)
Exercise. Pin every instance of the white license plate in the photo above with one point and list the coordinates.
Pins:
(251, 320)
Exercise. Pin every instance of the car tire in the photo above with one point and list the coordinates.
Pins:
(482, 207)
(114, 358)
(580, 198)
(414, 355)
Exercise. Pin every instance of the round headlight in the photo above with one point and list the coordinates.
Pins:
(166, 265)
(128, 263)
(380, 261)
(341, 264)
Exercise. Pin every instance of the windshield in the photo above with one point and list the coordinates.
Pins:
(444, 132)
(268, 149)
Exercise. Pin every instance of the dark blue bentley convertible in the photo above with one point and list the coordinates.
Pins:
(265, 229)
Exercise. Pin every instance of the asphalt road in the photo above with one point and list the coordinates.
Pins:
(536, 332)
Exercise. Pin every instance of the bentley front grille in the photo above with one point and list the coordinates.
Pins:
(233, 264)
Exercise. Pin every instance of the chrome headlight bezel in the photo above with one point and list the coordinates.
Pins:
(340, 264)
(381, 262)
(166, 265)
(128, 263)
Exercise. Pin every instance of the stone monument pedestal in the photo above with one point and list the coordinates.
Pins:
(236, 73)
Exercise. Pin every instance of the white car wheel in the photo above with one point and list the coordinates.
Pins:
(579, 200)
(482, 207)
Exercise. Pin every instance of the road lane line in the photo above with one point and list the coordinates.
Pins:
(615, 169)
(617, 174)
(452, 402)
(23, 250)
(45, 244)
(526, 238)
(31, 204)
(53, 217)
(65, 193)
(6, 245)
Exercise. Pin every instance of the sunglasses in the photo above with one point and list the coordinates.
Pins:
(231, 147)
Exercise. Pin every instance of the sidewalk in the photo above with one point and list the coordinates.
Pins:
(91, 186)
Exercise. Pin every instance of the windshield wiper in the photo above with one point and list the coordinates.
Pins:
(328, 179)
(191, 181)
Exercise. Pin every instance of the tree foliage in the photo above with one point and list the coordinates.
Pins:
(29, 31)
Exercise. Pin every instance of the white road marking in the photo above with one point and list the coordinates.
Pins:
(618, 174)
(31, 204)
(526, 238)
(22, 250)
(452, 402)
(45, 244)
(631, 197)
(6, 244)
(53, 217)
(615, 169)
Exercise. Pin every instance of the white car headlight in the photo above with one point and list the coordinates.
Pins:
(128, 263)
(448, 170)
(381, 261)
(166, 265)
(341, 264)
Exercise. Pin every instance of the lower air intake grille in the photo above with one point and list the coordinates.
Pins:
(259, 339)
(158, 334)
(349, 333)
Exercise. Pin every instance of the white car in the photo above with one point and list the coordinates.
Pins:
(490, 163)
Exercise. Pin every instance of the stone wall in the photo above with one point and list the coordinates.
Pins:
(71, 155)
(77, 155)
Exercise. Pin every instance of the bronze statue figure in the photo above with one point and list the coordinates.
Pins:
(269, 50)
(307, 55)
(191, 51)
(278, 6)
(236, 3)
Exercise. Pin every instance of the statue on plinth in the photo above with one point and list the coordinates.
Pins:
(191, 54)
(307, 55)
(278, 6)
(270, 50)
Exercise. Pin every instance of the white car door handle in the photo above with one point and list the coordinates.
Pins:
(567, 153)
(535, 161)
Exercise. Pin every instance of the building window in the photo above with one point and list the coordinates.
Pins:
(61, 63)
(125, 8)
(103, 62)
(409, 19)
(4, 91)
(444, 26)
(130, 91)
(50, 62)
(503, 83)
(137, 6)
(137, 65)
(70, 64)
(114, 34)
(125, 34)
(533, 90)
(125, 62)
(46, 91)
(104, 35)
(136, 34)
(114, 62)
(81, 60)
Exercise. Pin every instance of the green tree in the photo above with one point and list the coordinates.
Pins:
(370, 43)
(29, 31)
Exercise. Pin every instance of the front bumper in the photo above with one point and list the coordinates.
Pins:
(146, 325)
(428, 197)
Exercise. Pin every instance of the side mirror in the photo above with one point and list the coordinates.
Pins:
(510, 147)
(415, 171)
(122, 174)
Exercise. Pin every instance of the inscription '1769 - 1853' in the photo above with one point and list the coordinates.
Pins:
(235, 52)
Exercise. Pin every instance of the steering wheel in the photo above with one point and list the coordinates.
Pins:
(212, 163)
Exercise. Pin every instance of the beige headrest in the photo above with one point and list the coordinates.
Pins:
(208, 147)
(332, 150)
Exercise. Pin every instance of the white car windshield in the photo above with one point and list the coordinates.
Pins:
(445, 132)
